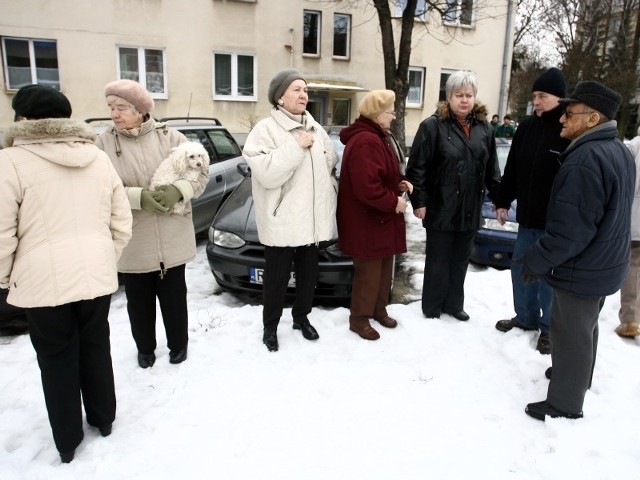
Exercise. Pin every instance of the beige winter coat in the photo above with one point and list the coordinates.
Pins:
(65, 216)
(294, 190)
(159, 242)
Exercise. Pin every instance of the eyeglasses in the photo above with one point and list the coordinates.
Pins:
(391, 113)
(569, 114)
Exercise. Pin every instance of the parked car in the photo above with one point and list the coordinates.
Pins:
(224, 156)
(493, 245)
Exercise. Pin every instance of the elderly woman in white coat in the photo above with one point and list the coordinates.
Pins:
(153, 264)
(292, 162)
(65, 221)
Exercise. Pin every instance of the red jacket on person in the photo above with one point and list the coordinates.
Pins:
(368, 226)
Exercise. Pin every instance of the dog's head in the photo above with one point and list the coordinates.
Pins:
(190, 156)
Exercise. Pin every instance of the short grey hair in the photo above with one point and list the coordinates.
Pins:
(461, 79)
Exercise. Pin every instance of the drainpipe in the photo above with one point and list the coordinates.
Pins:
(506, 59)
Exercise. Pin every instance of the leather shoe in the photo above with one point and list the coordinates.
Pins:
(548, 372)
(387, 322)
(179, 356)
(506, 325)
(544, 343)
(307, 329)
(146, 360)
(106, 431)
(628, 330)
(67, 457)
(270, 339)
(459, 315)
(540, 410)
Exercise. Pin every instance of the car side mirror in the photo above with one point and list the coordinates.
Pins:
(243, 169)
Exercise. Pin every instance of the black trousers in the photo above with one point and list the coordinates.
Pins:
(74, 354)
(141, 290)
(574, 344)
(445, 269)
(276, 277)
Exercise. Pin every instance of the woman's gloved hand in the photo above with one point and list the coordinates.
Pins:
(170, 196)
(149, 202)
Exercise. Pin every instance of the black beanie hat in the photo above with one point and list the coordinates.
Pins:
(552, 82)
(37, 101)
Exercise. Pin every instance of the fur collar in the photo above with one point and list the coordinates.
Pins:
(480, 112)
(49, 128)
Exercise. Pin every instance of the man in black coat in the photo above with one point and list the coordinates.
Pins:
(528, 176)
(584, 253)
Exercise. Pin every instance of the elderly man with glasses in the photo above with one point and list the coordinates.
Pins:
(584, 253)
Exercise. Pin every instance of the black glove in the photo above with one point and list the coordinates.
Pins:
(527, 276)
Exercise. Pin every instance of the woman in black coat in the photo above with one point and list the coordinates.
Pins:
(453, 161)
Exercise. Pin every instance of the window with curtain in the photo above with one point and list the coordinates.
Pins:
(234, 76)
(416, 87)
(459, 12)
(146, 66)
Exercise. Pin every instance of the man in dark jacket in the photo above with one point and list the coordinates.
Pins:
(584, 253)
(528, 176)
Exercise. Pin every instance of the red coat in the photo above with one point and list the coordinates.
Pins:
(368, 226)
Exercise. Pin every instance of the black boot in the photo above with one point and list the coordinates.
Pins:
(307, 329)
(270, 339)
(178, 356)
(146, 360)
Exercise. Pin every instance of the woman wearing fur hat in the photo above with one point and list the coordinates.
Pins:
(452, 163)
(292, 160)
(65, 221)
(153, 264)
(371, 210)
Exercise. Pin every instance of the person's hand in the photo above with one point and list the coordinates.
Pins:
(527, 276)
(305, 140)
(401, 205)
(149, 202)
(406, 186)
(502, 215)
(420, 212)
(170, 196)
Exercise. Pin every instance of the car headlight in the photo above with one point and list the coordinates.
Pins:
(226, 239)
(493, 224)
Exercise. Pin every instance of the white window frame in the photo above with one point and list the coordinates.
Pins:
(452, 18)
(318, 13)
(142, 68)
(348, 33)
(33, 71)
(234, 95)
(401, 4)
(423, 72)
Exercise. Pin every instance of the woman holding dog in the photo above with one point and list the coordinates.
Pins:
(294, 190)
(153, 263)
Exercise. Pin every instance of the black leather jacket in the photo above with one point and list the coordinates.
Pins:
(451, 173)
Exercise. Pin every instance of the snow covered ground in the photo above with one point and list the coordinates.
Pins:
(437, 399)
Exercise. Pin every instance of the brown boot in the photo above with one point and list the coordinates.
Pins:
(363, 328)
(628, 330)
(387, 322)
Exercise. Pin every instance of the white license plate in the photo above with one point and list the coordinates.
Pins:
(256, 275)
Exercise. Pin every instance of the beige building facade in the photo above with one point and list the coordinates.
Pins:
(215, 58)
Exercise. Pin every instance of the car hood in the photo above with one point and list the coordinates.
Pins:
(489, 212)
(236, 214)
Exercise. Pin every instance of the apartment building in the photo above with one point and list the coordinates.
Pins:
(215, 58)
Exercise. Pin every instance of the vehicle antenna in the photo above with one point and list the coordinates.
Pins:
(189, 109)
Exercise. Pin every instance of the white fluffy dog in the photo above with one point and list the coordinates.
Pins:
(186, 162)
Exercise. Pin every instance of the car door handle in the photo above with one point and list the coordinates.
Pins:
(218, 178)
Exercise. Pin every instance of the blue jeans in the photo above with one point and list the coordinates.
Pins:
(533, 302)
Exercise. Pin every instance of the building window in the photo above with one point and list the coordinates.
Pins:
(444, 76)
(234, 76)
(416, 87)
(146, 66)
(341, 114)
(459, 12)
(421, 9)
(311, 40)
(341, 35)
(28, 61)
